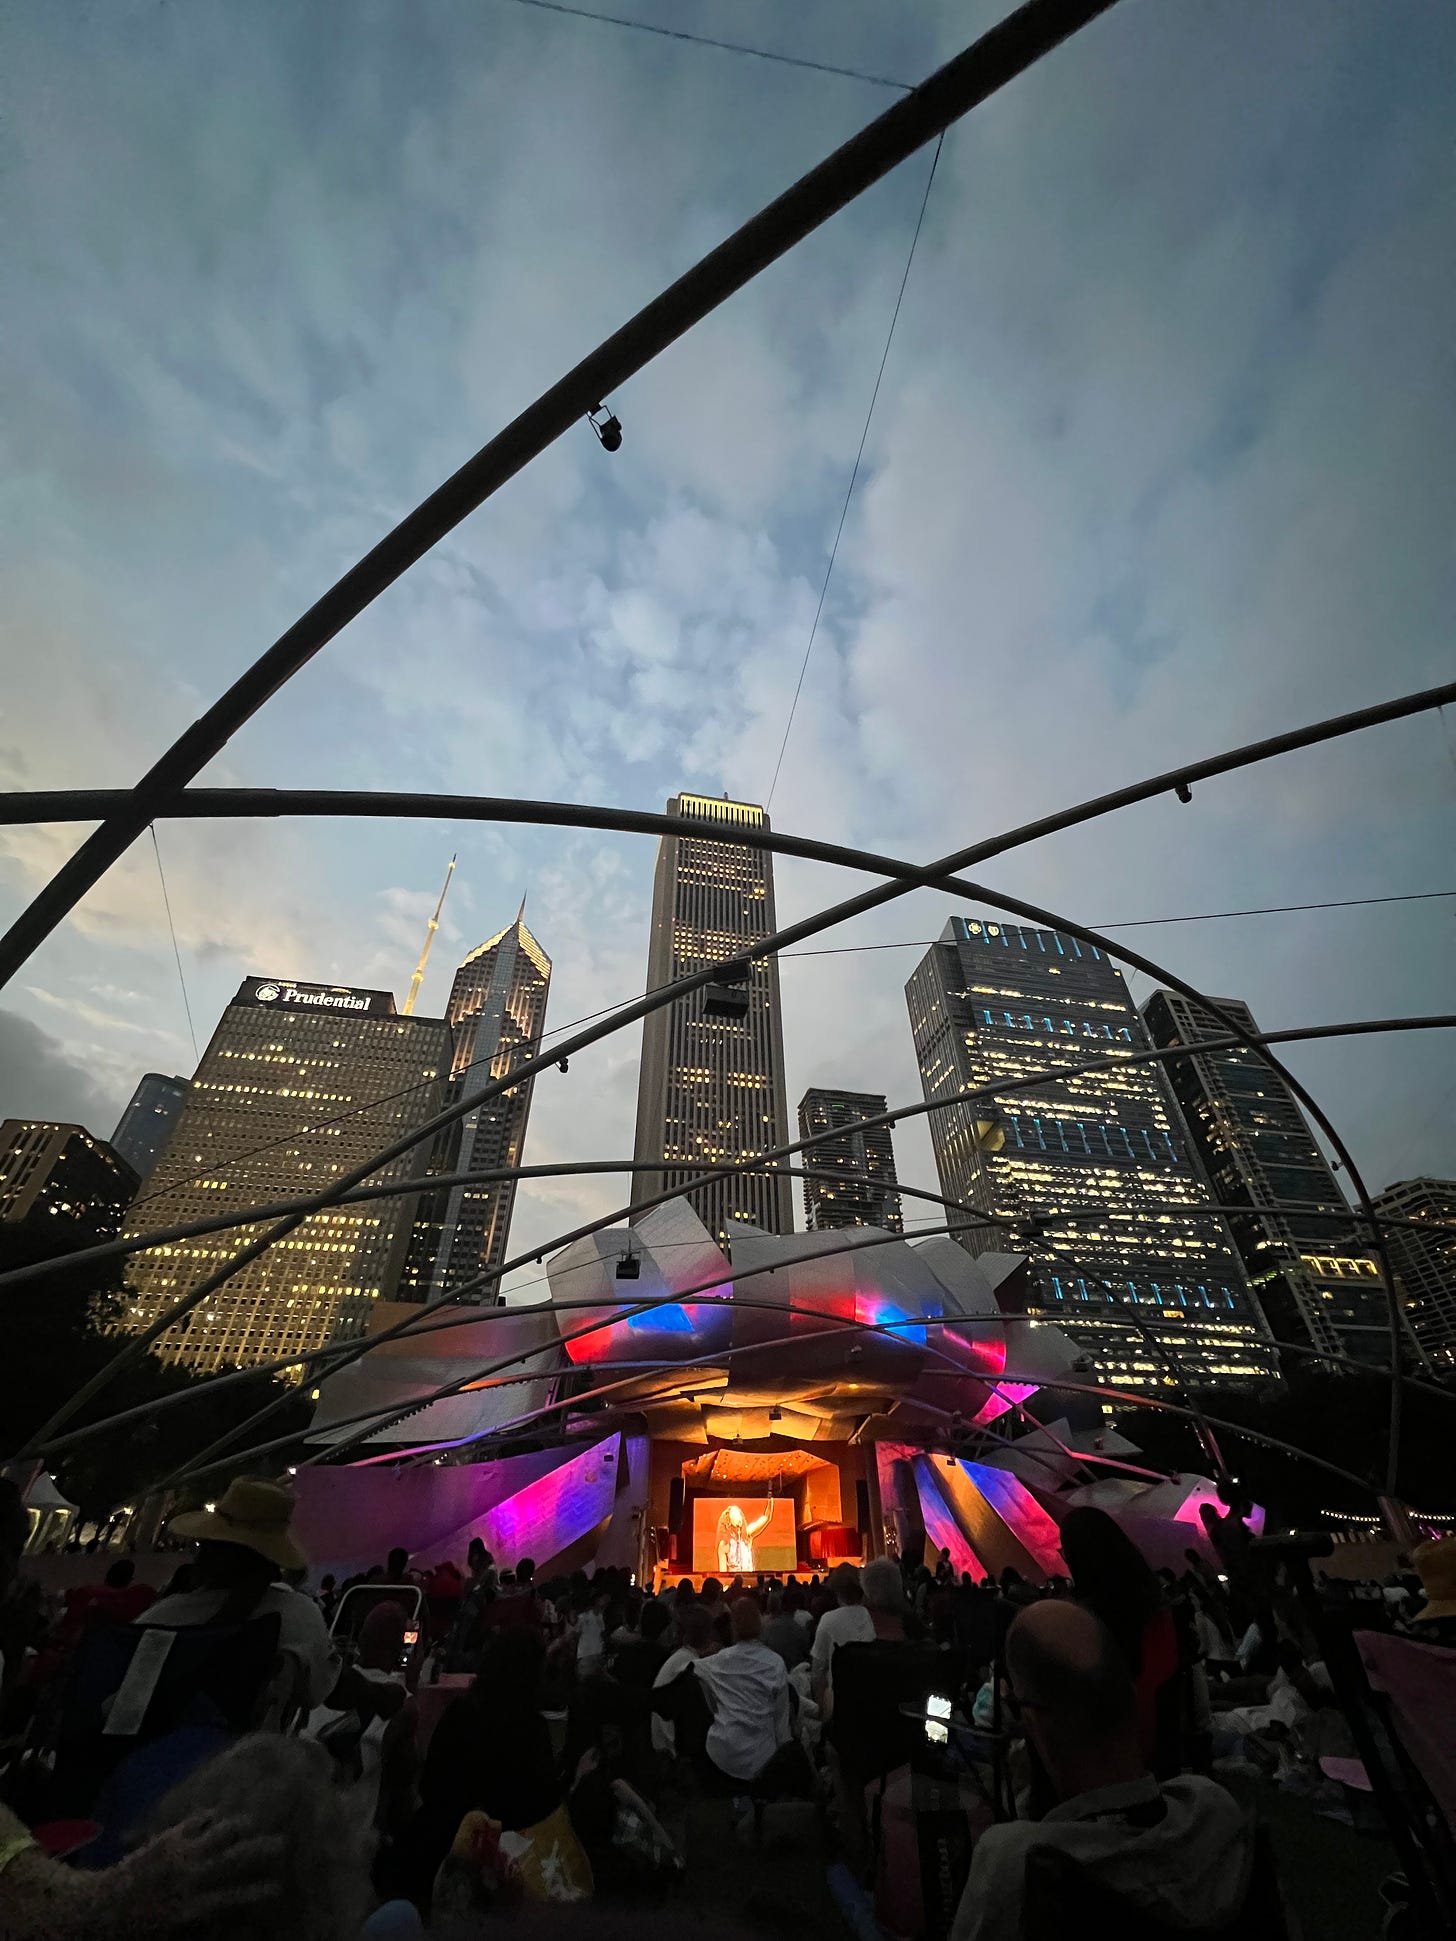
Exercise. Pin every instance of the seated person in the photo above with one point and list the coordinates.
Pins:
(491, 1753)
(695, 1634)
(848, 1623)
(1177, 1850)
(748, 1691)
(243, 1547)
(783, 1633)
(639, 1661)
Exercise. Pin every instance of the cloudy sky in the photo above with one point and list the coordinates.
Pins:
(1164, 460)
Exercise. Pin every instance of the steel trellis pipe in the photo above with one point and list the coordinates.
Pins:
(342, 1354)
(1249, 1039)
(1004, 1377)
(375, 1418)
(855, 1328)
(127, 1244)
(202, 804)
(906, 877)
(999, 56)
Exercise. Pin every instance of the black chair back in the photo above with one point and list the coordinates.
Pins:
(875, 1685)
(212, 1676)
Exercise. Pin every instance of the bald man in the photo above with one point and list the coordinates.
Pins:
(1179, 1851)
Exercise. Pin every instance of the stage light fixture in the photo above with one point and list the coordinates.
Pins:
(607, 426)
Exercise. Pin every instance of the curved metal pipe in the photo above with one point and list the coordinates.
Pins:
(342, 1354)
(421, 1183)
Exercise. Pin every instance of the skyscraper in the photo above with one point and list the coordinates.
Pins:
(146, 1125)
(300, 1082)
(60, 1189)
(1126, 1248)
(1424, 1258)
(712, 1084)
(865, 1196)
(1294, 1234)
(497, 1012)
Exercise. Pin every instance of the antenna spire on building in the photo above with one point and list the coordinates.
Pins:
(434, 924)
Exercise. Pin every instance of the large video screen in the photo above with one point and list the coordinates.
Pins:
(738, 1534)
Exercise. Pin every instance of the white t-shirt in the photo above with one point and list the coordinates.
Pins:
(748, 1689)
(845, 1624)
(591, 1639)
(302, 1633)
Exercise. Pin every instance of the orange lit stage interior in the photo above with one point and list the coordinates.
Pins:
(826, 1484)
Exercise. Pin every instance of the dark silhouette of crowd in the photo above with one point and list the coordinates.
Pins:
(448, 1747)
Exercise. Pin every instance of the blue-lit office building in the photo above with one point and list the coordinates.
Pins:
(1091, 1174)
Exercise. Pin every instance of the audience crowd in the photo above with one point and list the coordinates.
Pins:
(460, 1747)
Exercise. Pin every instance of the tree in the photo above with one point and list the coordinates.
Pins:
(54, 1340)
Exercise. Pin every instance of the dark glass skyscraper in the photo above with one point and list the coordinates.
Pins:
(864, 1195)
(1317, 1287)
(146, 1125)
(60, 1188)
(497, 1012)
(712, 1086)
(1126, 1248)
(299, 1083)
(1423, 1255)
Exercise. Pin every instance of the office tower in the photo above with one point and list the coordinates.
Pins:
(146, 1125)
(1423, 1255)
(712, 1083)
(1122, 1251)
(497, 1012)
(300, 1083)
(59, 1189)
(865, 1195)
(1293, 1231)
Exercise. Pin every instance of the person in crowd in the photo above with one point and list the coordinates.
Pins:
(480, 1564)
(205, 1874)
(1435, 1620)
(396, 1566)
(782, 1632)
(944, 1568)
(748, 1694)
(1111, 1576)
(884, 1599)
(591, 1628)
(518, 1607)
(638, 1661)
(628, 1630)
(1176, 1851)
(243, 1545)
(328, 1595)
(491, 1752)
(848, 1623)
(695, 1641)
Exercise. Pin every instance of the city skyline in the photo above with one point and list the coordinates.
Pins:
(1151, 497)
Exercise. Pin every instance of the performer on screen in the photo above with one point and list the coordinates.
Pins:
(735, 1538)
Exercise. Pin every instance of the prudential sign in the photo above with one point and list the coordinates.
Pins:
(315, 997)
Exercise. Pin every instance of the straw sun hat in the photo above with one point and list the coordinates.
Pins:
(252, 1514)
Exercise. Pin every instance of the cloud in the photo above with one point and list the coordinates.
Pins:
(41, 1081)
(1162, 462)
